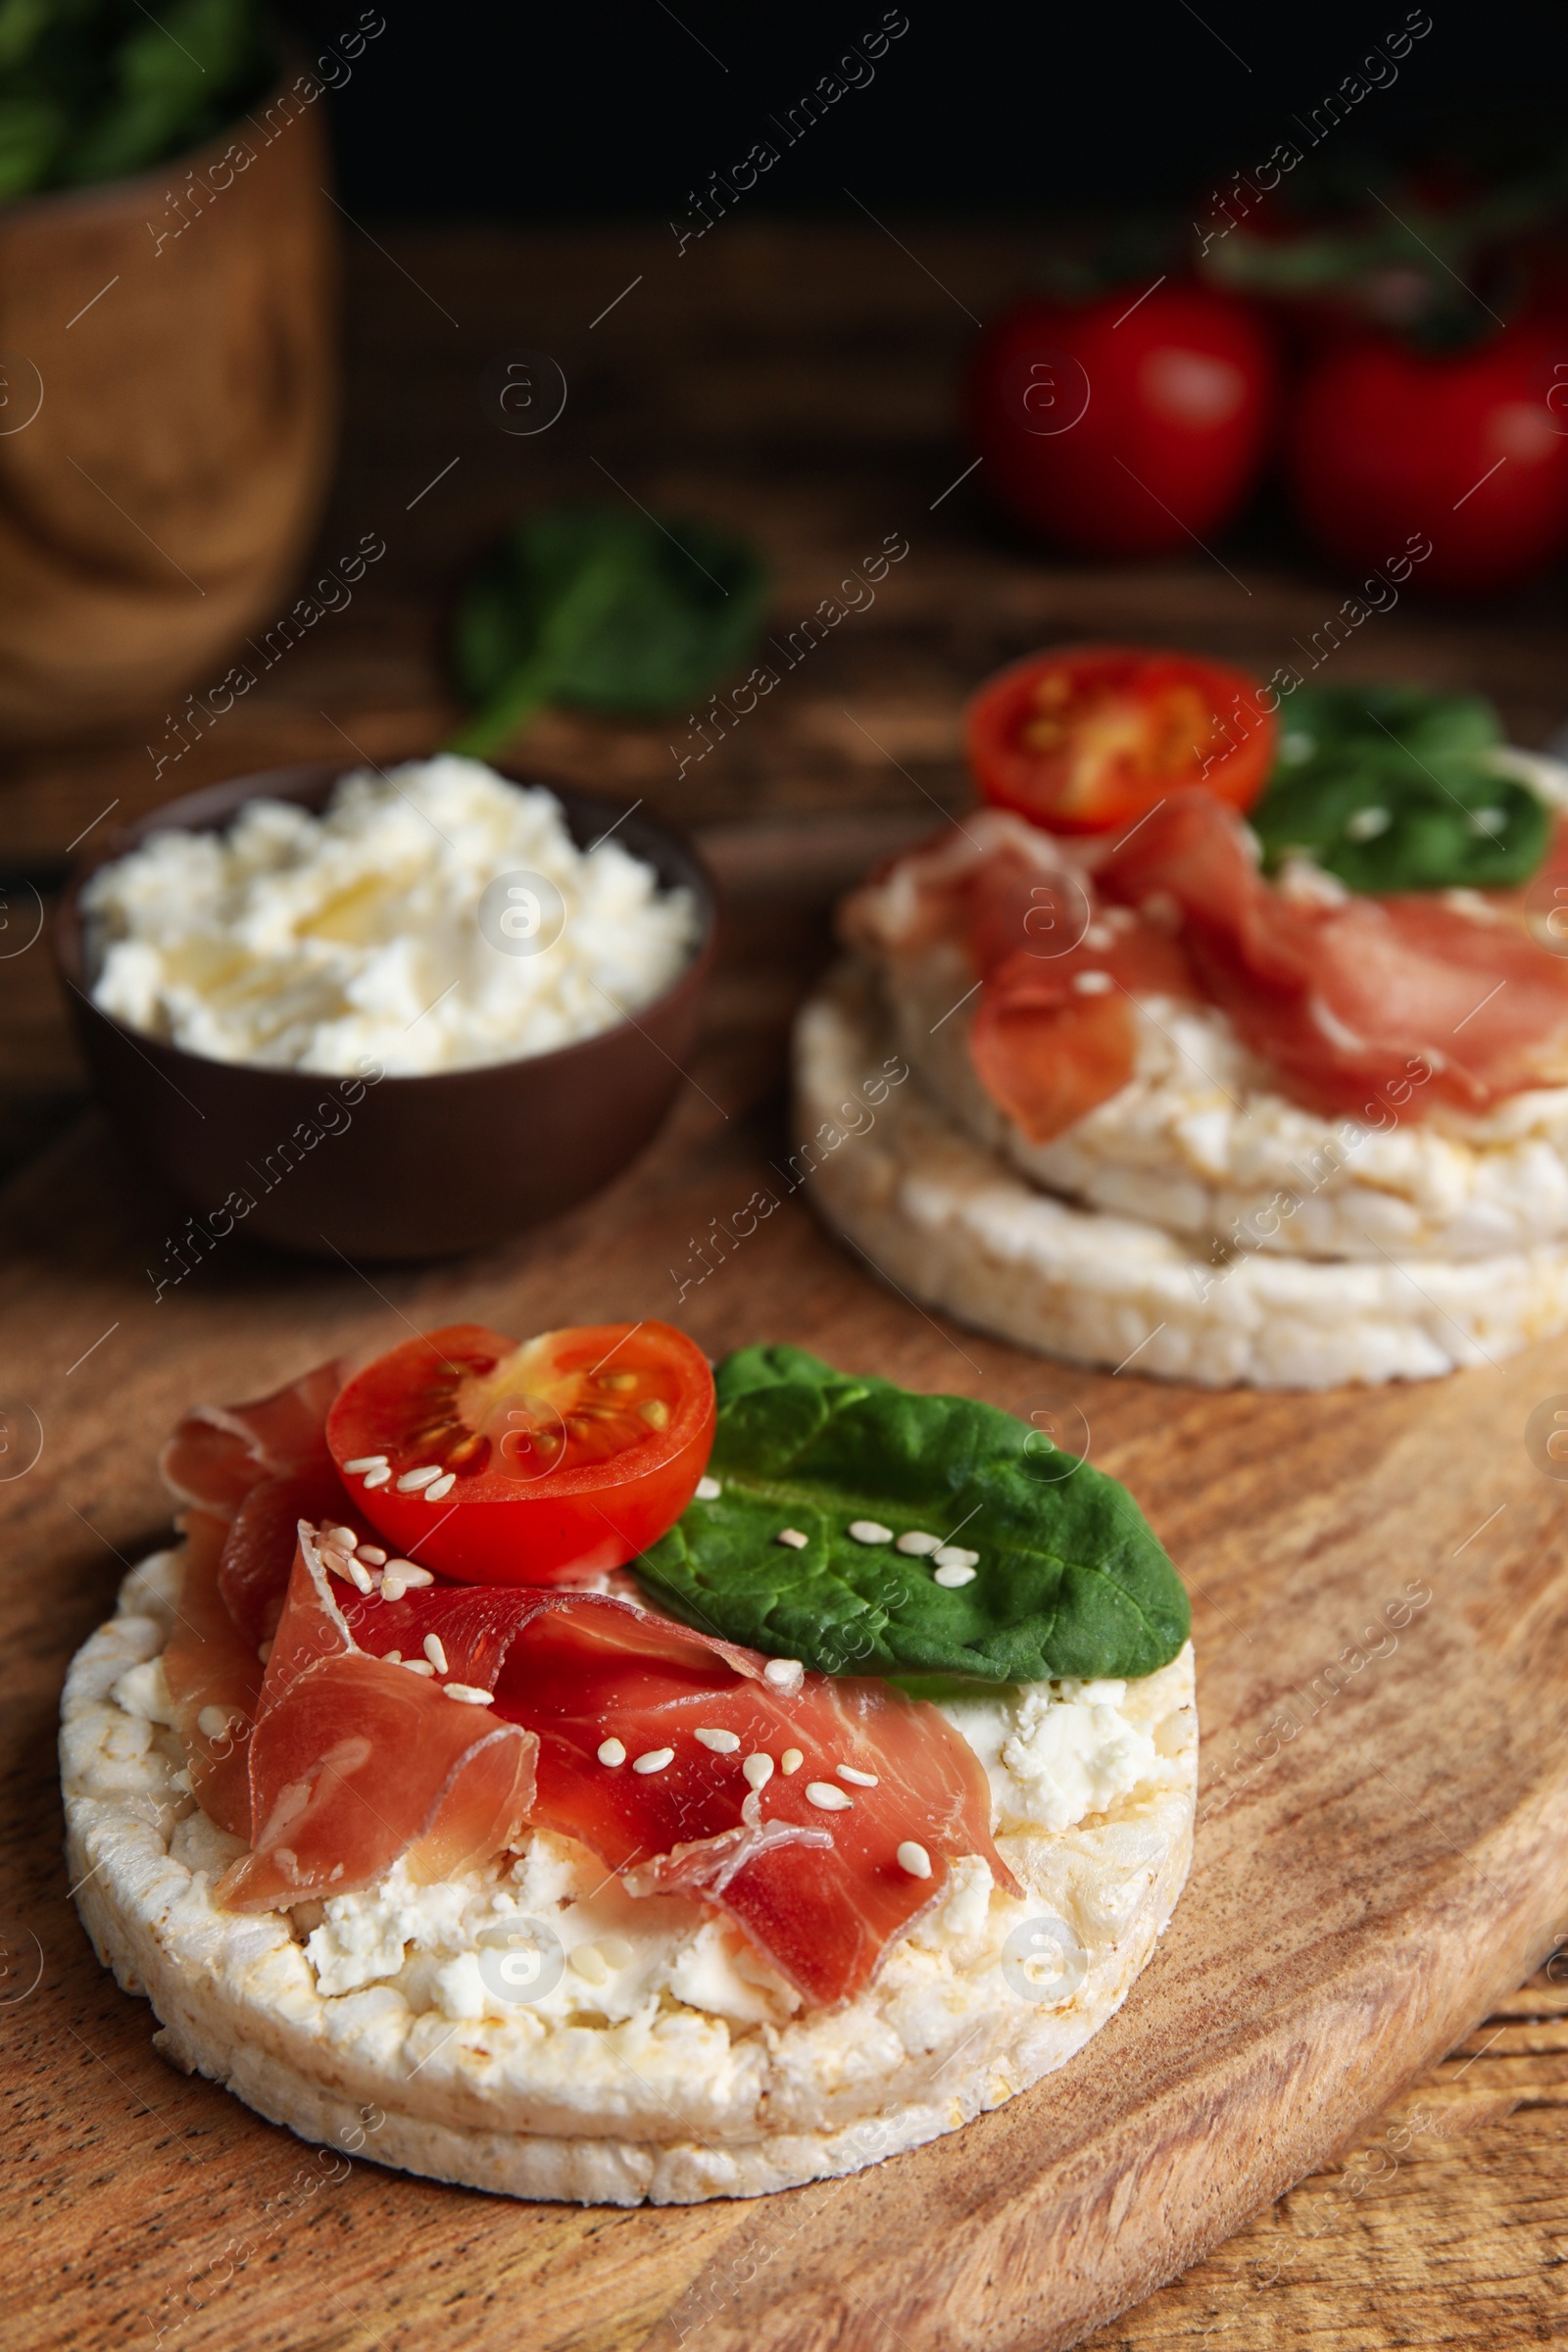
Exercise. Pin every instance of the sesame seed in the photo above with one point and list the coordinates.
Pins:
(471, 1693)
(612, 1949)
(392, 1657)
(341, 1538)
(440, 1486)
(417, 1666)
(722, 1743)
(393, 1587)
(358, 1576)
(212, 1721)
(588, 1964)
(953, 1555)
(180, 1783)
(914, 1859)
(856, 1779)
(263, 1650)
(379, 1476)
(336, 1565)
(1093, 984)
(827, 1798)
(793, 1536)
(791, 1761)
(951, 1578)
(783, 1673)
(410, 1572)
(366, 1462)
(371, 1555)
(1099, 937)
(709, 1489)
(758, 1771)
(611, 1752)
(1366, 824)
(435, 1652)
(655, 1760)
(412, 1480)
(871, 1531)
(917, 1544)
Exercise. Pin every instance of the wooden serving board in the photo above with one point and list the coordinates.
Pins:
(1381, 1848)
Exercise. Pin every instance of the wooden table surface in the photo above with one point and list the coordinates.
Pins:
(799, 382)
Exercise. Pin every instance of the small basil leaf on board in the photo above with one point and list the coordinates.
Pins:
(603, 610)
(1395, 788)
(1069, 1577)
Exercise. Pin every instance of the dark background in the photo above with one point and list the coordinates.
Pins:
(490, 109)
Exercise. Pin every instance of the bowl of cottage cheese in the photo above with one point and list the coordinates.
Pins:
(392, 1013)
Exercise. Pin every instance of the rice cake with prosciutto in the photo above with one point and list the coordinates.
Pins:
(720, 2002)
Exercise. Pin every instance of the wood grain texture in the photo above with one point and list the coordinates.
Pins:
(793, 378)
(181, 335)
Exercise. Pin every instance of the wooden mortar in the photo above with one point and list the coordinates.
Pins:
(168, 413)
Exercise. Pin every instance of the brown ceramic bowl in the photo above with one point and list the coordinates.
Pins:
(410, 1167)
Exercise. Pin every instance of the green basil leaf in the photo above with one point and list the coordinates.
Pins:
(604, 609)
(1071, 1579)
(1396, 788)
(93, 89)
(1412, 718)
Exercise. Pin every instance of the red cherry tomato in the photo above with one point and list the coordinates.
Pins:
(531, 1465)
(1391, 448)
(1123, 426)
(1090, 736)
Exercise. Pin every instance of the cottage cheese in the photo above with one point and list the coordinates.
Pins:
(669, 2060)
(317, 943)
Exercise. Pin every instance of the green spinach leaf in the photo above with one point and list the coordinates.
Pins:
(604, 609)
(1069, 1577)
(1398, 788)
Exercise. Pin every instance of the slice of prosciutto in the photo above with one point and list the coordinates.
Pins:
(351, 1751)
(818, 1889)
(1428, 997)
(220, 1451)
(1055, 1033)
(354, 1763)
(1343, 994)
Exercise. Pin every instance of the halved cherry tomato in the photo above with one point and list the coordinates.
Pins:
(1089, 738)
(531, 1465)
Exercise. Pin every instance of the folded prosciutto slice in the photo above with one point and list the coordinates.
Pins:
(249, 1472)
(437, 1724)
(220, 1451)
(820, 1891)
(354, 1763)
(1342, 995)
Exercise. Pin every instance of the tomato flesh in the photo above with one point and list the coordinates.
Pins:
(1091, 738)
(540, 1464)
(1127, 425)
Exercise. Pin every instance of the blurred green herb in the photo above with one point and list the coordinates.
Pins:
(92, 90)
(1396, 788)
(602, 610)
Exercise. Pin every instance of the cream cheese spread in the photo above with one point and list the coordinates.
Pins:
(365, 934)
